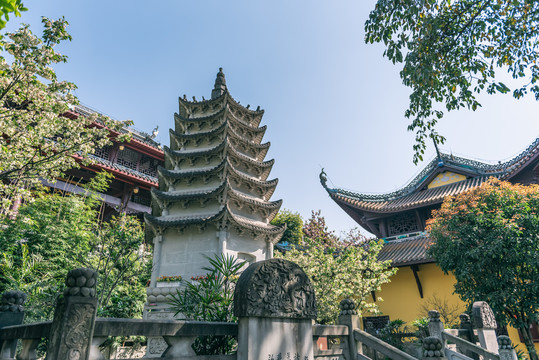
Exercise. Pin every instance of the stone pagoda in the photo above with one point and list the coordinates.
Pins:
(214, 193)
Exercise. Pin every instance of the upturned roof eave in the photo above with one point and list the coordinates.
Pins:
(276, 204)
(182, 174)
(160, 223)
(205, 193)
(167, 222)
(420, 199)
(465, 166)
(220, 128)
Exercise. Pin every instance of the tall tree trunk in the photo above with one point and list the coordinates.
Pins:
(528, 341)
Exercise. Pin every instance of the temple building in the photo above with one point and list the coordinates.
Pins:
(134, 166)
(399, 219)
(214, 193)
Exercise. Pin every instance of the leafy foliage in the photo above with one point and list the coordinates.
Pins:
(59, 232)
(10, 7)
(294, 226)
(450, 51)
(488, 238)
(316, 228)
(339, 269)
(119, 255)
(210, 298)
(37, 141)
(394, 333)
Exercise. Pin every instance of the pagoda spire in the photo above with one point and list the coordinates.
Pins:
(220, 85)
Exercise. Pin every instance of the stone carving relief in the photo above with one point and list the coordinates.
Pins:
(482, 315)
(78, 328)
(12, 301)
(274, 288)
(156, 346)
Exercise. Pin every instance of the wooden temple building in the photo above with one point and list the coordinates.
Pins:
(134, 166)
(399, 219)
(214, 193)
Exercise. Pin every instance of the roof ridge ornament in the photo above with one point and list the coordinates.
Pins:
(440, 159)
(219, 87)
(323, 178)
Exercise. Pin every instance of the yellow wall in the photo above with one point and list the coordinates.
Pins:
(401, 298)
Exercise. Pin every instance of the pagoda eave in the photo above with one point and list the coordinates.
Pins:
(177, 136)
(215, 116)
(172, 197)
(270, 233)
(184, 174)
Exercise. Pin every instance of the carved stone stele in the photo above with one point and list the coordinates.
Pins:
(482, 315)
(274, 288)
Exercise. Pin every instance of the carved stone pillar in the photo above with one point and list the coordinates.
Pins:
(275, 304)
(11, 313)
(466, 332)
(74, 318)
(348, 316)
(485, 323)
(436, 326)
(433, 348)
(505, 348)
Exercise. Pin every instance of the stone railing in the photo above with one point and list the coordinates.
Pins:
(274, 302)
(275, 305)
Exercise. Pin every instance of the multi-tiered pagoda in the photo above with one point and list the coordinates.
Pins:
(214, 196)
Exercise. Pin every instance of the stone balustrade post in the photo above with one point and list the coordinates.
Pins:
(275, 304)
(466, 332)
(348, 316)
(505, 348)
(466, 329)
(436, 326)
(11, 313)
(485, 323)
(74, 318)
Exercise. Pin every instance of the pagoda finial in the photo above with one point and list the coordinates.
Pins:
(220, 85)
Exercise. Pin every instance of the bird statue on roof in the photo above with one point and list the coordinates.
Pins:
(154, 132)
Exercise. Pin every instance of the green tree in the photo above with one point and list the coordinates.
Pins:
(119, 255)
(294, 226)
(316, 229)
(339, 269)
(488, 239)
(450, 51)
(59, 232)
(37, 141)
(9, 7)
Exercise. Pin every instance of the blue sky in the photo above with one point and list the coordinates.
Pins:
(330, 100)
